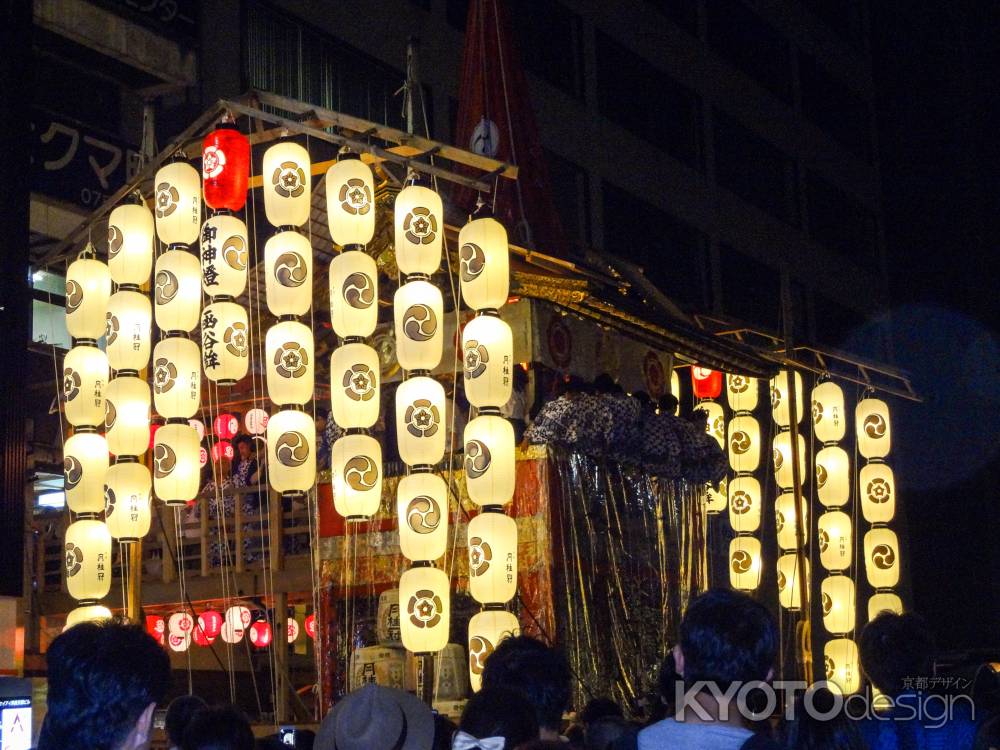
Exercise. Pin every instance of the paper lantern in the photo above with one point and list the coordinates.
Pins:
(716, 500)
(836, 544)
(288, 274)
(420, 421)
(126, 497)
(256, 421)
(261, 634)
(425, 609)
(356, 476)
(780, 398)
(181, 623)
(484, 264)
(310, 626)
(287, 178)
(176, 464)
(88, 289)
(487, 361)
(177, 378)
(419, 224)
(225, 342)
(350, 201)
(237, 620)
(871, 418)
(291, 451)
(88, 560)
(706, 383)
(225, 167)
(225, 426)
(418, 309)
(127, 416)
(353, 294)
(828, 415)
(291, 363)
(231, 634)
(745, 503)
(177, 290)
(222, 449)
(85, 377)
(486, 630)
(86, 613)
(833, 476)
(85, 466)
(203, 457)
(744, 443)
(199, 427)
(292, 630)
(878, 492)
(156, 626)
(790, 578)
(744, 563)
(210, 623)
(177, 203)
(179, 642)
(489, 460)
(422, 510)
(882, 557)
(225, 254)
(354, 386)
(782, 459)
(492, 558)
(785, 521)
(837, 594)
(741, 392)
(884, 601)
(715, 424)
(129, 320)
(840, 658)
(199, 637)
(130, 244)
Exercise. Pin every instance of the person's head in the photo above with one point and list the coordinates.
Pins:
(444, 731)
(218, 728)
(894, 647)
(600, 733)
(604, 383)
(600, 708)
(244, 446)
(726, 637)
(179, 714)
(105, 679)
(498, 712)
(667, 404)
(807, 732)
(377, 718)
(541, 674)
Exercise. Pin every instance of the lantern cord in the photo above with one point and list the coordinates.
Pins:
(124, 564)
(182, 583)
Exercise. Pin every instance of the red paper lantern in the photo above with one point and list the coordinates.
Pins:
(260, 634)
(211, 622)
(222, 449)
(311, 626)
(225, 426)
(200, 638)
(156, 626)
(152, 431)
(706, 383)
(225, 166)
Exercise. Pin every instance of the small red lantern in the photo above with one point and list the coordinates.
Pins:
(260, 634)
(222, 449)
(311, 626)
(210, 621)
(225, 166)
(225, 426)
(153, 427)
(200, 638)
(156, 626)
(706, 383)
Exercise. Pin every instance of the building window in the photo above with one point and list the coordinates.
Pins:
(737, 34)
(754, 169)
(845, 17)
(571, 195)
(840, 222)
(751, 290)
(684, 13)
(835, 108)
(48, 310)
(646, 101)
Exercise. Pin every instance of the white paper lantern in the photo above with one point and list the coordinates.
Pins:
(488, 361)
(486, 630)
(785, 521)
(425, 609)
(87, 613)
(715, 424)
(882, 557)
(833, 476)
(419, 224)
(492, 558)
(489, 460)
(675, 390)
(828, 414)
(129, 320)
(836, 545)
(85, 377)
(837, 594)
(256, 421)
(287, 178)
(484, 264)
(199, 427)
(180, 623)
(176, 464)
(177, 203)
(744, 443)
(127, 416)
(420, 421)
(353, 294)
(780, 398)
(878, 492)
(871, 418)
(422, 510)
(225, 255)
(840, 658)
(744, 563)
(741, 392)
(782, 458)
(88, 289)
(288, 274)
(179, 642)
(177, 290)
(177, 378)
(354, 386)
(356, 476)
(237, 620)
(293, 630)
(85, 466)
(790, 578)
(291, 363)
(884, 601)
(126, 498)
(291, 451)
(225, 342)
(418, 309)
(88, 560)
(717, 500)
(130, 244)
(745, 503)
(350, 201)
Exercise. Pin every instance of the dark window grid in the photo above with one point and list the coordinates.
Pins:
(834, 108)
(684, 13)
(840, 222)
(571, 195)
(742, 38)
(751, 289)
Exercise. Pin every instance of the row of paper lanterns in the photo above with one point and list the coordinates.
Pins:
(180, 629)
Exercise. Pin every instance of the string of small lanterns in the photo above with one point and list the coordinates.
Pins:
(745, 496)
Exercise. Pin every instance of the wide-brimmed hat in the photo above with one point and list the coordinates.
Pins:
(377, 718)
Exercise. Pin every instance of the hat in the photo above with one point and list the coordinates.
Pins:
(377, 718)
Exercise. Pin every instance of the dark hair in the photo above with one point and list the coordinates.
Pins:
(894, 647)
(541, 674)
(543, 745)
(727, 637)
(102, 676)
(500, 712)
(600, 708)
(805, 732)
(179, 714)
(444, 728)
(218, 728)
(601, 733)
